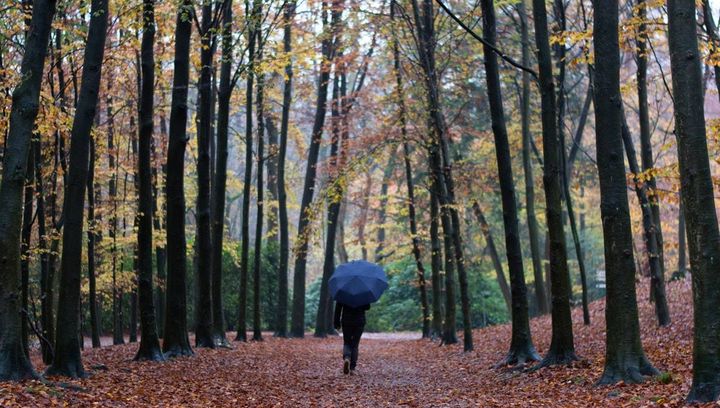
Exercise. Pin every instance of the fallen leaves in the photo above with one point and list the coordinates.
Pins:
(393, 370)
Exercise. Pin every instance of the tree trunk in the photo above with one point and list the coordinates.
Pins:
(218, 225)
(646, 156)
(14, 363)
(651, 243)
(298, 312)
(149, 342)
(288, 15)
(559, 8)
(698, 198)
(335, 195)
(624, 356)
(45, 282)
(25, 235)
(382, 216)
(203, 305)
(159, 224)
(67, 361)
(402, 113)
(247, 183)
(92, 235)
(175, 339)
(436, 257)
(522, 349)
(562, 348)
(257, 262)
(441, 165)
(497, 263)
(532, 222)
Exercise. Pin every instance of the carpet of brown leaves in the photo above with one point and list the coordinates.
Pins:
(393, 371)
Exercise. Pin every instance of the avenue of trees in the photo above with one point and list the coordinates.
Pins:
(201, 166)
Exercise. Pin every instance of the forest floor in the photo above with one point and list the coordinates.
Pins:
(394, 370)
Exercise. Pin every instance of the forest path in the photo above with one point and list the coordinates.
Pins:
(396, 369)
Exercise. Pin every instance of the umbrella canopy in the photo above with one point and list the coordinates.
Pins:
(358, 283)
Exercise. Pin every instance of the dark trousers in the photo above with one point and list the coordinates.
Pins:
(351, 343)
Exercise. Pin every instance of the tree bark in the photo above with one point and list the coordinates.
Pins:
(532, 222)
(67, 361)
(522, 349)
(651, 243)
(149, 342)
(218, 225)
(624, 356)
(203, 305)
(92, 236)
(288, 15)
(175, 339)
(698, 198)
(562, 348)
(14, 363)
(436, 257)
(257, 262)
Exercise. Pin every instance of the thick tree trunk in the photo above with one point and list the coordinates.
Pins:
(218, 225)
(698, 198)
(298, 311)
(562, 348)
(497, 263)
(92, 236)
(288, 15)
(203, 304)
(651, 244)
(14, 363)
(149, 342)
(175, 339)
(67, 361)
(532, 222)
(624, 356)
(522, 349)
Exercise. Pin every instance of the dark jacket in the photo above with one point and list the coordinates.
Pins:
(349, 316)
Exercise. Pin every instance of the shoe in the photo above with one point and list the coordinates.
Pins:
(346, 366)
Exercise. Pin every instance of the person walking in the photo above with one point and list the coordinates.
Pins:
(352, 321)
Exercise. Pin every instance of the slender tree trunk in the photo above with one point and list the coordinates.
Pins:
(113, 164)
(245, 243)
(271, 183)
(562, 348)
(203, 306)
(342, 252)
(698, 199)
(646, 156)
(149, 342)
(624, 356)
(67, 361)
(218, 225)
(159, 224)
(92, 235)
(14, 363)
(288, 15)
(382, 216)
(441, 165)
(522, 349)
(559, 7)
(532, 222)
(651, 243)
(25, 236)
(298, 312)
(335, 194)
(45, 282)
(497, 263)
(436, 257)
(257, 262)
(175, 340)
(402, 116)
